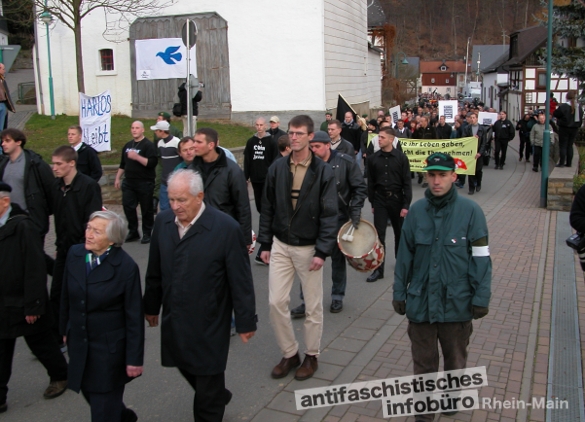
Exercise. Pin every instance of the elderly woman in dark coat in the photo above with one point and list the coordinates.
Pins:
(102, 318)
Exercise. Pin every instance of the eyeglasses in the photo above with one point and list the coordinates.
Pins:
(298, 134)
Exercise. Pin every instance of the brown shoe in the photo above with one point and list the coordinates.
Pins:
(286, 364)
(307, 369)
(55, 389)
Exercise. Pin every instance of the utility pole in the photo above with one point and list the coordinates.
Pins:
(466, 62)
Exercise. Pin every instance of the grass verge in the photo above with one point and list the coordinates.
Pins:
(44, 134)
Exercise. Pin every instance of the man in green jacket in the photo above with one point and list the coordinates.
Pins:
(443, 272)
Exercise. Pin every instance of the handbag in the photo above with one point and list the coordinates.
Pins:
(576, 241)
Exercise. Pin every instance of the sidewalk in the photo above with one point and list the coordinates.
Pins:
(512, 342)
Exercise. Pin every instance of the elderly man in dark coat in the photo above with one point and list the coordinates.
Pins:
(199, 271)
(24, 298)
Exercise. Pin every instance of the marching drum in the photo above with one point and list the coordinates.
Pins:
(361, 246)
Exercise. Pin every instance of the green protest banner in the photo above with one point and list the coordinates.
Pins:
(463, 151)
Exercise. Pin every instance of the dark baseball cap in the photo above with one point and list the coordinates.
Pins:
(5, 187)
(164, 115)
(440, 161)
(321, 136)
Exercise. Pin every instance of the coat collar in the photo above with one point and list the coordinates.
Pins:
(205, 222)
(103, 272)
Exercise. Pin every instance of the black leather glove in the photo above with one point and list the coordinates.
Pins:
(355, 222)
(399, 306)
(479, 312)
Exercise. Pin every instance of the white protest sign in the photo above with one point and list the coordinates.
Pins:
(448, 109)
(486, 118)
(95, 119)
(395, 113)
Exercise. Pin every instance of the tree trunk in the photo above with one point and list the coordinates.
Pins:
(79, 57)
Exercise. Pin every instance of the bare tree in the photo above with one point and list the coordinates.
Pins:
(117, 12)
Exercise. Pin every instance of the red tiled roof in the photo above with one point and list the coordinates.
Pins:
(434, 66)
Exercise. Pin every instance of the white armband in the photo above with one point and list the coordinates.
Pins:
(480, 251)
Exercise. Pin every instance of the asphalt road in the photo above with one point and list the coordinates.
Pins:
(161, 394)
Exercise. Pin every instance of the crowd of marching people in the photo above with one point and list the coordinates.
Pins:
(309, 188)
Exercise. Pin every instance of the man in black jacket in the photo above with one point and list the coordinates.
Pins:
(275, 131)
(138, 166)
(351, 194)
(224, 183)
(297, 232)
(75, 197)
(194, 104)
(23, 308)
(198, 271)
(481, 133)
(338, 143)
(88, 162)
(424, 131)
(29, 176)
(389, 191)
(569, 119)
(503, 133)
(443, 129)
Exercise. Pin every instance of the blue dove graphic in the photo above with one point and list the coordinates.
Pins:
(169, 56)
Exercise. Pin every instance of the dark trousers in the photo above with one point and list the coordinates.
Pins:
(258, 189)
(566, 140)
(537, 157)
(210, 396)
(525, 147)
(136, 192)
(501, 148)
(384, 209)
(106, 407)
(56, 287)
(338, 271)
(424, 339)
(45, 349)
(476, 179)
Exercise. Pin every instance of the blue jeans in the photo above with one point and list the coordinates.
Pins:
(163, 198)
(3, 113)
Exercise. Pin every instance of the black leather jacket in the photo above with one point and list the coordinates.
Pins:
(351, 188)
(482, 133)
(225, 189)
(313, 221)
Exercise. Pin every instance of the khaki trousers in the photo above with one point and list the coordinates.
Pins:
(285, 261)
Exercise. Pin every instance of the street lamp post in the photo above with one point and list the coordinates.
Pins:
(546, 135)
(404, 61)
(47, 18)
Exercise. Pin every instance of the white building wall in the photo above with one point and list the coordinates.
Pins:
(276, 55)
(490, 81)
(346, 52)
(374, 79)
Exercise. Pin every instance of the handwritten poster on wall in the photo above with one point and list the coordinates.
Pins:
(95, 119)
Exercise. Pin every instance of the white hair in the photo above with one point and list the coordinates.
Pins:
(117, 230)
(192, 178)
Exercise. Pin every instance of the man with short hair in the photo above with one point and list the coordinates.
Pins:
(389, 191)
(186, 150)
(481, 133)
(325, 124)
(198, 272)
(88, 162)
(443, 129)
(30, 178)
(224, 182)
(284, 146)
(168, 155)
(6, 103)
(24, 306)
(401, 131)
(524, 129)
(275, 131)
(424, 131)
(297, 233)
(259, 153)
(75, 197)
(443, 271)
(503, 133)
(351, 131)
(338, 143)
(351, 193)
(138, 166)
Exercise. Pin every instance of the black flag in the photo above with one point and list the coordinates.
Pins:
(342, 108)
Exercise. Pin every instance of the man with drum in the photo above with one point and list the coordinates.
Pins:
(443, 272)
(297, 232)
(351, 194)
(389, 191)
